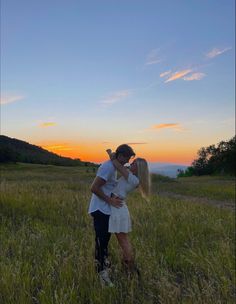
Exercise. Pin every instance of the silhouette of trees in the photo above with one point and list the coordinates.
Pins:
(14, 150)
(215, 159)
(8, 155)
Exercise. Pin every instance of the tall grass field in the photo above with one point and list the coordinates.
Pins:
(183, 239)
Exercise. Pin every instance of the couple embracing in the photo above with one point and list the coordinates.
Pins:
(108, 207)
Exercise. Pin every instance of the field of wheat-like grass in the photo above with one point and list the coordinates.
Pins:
(184, 250)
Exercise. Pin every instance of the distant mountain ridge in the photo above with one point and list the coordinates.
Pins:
(167, 169)
(15, 150)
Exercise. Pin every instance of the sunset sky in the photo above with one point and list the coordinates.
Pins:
(78, 77)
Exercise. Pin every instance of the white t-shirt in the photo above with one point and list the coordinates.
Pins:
(107, 172)
(124, 186)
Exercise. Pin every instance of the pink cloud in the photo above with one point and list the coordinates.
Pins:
(216, 52)
(194, 76)
(178, 75)
(175, 126)
(115, 97)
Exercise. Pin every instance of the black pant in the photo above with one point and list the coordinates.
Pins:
(101, 222)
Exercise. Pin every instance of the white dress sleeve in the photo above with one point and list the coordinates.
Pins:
(133, 180)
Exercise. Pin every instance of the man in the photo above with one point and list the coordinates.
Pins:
(100, 210)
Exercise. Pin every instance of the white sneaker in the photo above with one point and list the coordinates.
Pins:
(104, 278)
(107, 263)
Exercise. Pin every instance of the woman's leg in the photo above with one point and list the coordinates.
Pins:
(128, 254)
(125, 245)
(127, 251)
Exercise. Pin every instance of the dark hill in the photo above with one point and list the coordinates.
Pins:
(15, 150)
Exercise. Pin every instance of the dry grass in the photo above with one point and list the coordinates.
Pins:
(185, 251)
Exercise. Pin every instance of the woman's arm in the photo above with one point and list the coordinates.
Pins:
(123, 171)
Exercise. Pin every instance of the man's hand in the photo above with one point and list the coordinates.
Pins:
(96, 188)
(115, 202)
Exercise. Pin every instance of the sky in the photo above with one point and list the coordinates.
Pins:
(78, 77)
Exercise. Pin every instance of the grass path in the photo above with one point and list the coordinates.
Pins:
(227, 204)
(216, 191)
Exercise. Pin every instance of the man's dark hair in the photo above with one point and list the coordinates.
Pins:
(125, 150)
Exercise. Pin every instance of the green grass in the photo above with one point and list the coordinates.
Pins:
(211, 187)
(185, 251)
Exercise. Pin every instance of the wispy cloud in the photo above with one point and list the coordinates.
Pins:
(137, 143)
(194, 76)
(5, 99)
(153, 57)
(216, 52)
(178, 75)
(47, 124)
(174, 126)
(229, 121)
(164, 74)
(116, 97)
(63, 147)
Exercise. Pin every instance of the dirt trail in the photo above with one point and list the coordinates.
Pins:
(229, 204)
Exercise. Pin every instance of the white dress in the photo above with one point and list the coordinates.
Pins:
(119, 220)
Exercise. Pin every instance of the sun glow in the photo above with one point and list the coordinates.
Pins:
(97, 152)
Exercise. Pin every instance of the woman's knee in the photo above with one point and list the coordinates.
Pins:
(122, 238)
(125, 244)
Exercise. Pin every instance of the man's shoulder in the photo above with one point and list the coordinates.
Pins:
(107, 165)
(106, 171)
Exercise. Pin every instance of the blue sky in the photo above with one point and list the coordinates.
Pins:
(81, 76)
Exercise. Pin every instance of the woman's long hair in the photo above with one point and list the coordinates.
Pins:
(144, 178)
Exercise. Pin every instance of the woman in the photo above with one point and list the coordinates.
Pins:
(137, 176)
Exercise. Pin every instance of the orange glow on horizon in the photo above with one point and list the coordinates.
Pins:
(96, 153)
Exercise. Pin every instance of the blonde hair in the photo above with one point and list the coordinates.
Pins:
(144, 177)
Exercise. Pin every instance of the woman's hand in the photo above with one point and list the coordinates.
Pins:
(108, 151)
(111, 154)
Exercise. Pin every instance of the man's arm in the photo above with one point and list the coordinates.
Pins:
(123, 171)
(96, 188)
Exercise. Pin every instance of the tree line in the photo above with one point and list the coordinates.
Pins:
(214, 159)
(13, 150)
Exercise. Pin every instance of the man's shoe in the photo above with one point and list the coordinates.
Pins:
(104, 278)
(107, 263)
